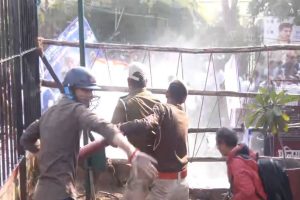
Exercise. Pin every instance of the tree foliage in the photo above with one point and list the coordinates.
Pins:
(279, 8)
(149, 21)
(141, 21)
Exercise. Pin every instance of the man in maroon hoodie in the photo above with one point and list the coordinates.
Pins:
(242, 168)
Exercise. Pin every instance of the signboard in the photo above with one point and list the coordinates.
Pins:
(278, 31)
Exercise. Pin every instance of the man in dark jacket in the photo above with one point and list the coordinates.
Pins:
(242, 167)
(59, 130)
(170, 148)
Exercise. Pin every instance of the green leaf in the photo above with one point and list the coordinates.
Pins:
(251, 118)
(287, 99)
(274, 129)
(261, 120)
(285, 117)
(280, 96)
(286, 128)
(260, 100)
(253, 106)
(273, 95)
(269, 115)
(282, 124)
(263, 90)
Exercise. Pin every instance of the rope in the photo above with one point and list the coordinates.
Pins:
(107, 64)
(182, 75)
(149, 59)
(208, 122)
(177, 70)
(188, 146)
(202, 103)
(218, 100)
(18, 55)
(268, 59)
(144, 58)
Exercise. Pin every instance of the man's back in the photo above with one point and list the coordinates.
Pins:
(170, 124)
(171, 146)
(243, 174)
(59, 139)
(136, 105)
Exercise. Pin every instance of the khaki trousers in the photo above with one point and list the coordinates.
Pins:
(159, 189)
(169, 190)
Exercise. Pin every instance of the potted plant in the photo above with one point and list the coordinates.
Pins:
(266, 112)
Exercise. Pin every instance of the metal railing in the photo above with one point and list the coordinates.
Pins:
(19, 83)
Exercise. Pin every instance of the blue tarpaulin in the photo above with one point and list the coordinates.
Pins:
(63, 58)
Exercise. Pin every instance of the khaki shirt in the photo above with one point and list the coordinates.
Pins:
(170, 146)
(136, 105)
(59, 130)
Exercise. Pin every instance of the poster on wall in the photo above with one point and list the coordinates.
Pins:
(278, 31)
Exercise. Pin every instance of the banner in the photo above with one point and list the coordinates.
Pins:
(63, 58)
(278, 31)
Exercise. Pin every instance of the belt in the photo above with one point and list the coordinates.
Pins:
(172, 175)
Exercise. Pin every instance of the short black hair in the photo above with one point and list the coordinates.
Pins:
(227, 136)
(177, 91)
(285, 25)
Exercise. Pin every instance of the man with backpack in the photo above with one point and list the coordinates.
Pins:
(242, 168)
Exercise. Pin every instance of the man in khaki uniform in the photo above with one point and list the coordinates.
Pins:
(136, 105)
(170, 147)
(59, 130)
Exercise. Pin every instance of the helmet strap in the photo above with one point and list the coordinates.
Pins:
(69, 93)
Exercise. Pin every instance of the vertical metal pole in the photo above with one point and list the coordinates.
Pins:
(82, 63)
(81, 32)
(20, 104)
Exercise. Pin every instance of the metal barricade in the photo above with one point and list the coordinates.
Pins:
(19, 83)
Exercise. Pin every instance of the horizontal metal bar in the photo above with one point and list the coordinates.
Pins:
(213, 130)
(190, 92)
(205, 159)
(191, 159)
(244, 49)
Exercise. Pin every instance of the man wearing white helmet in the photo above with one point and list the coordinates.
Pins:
(59, 130)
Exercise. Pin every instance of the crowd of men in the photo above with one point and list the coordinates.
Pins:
(156, 146)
